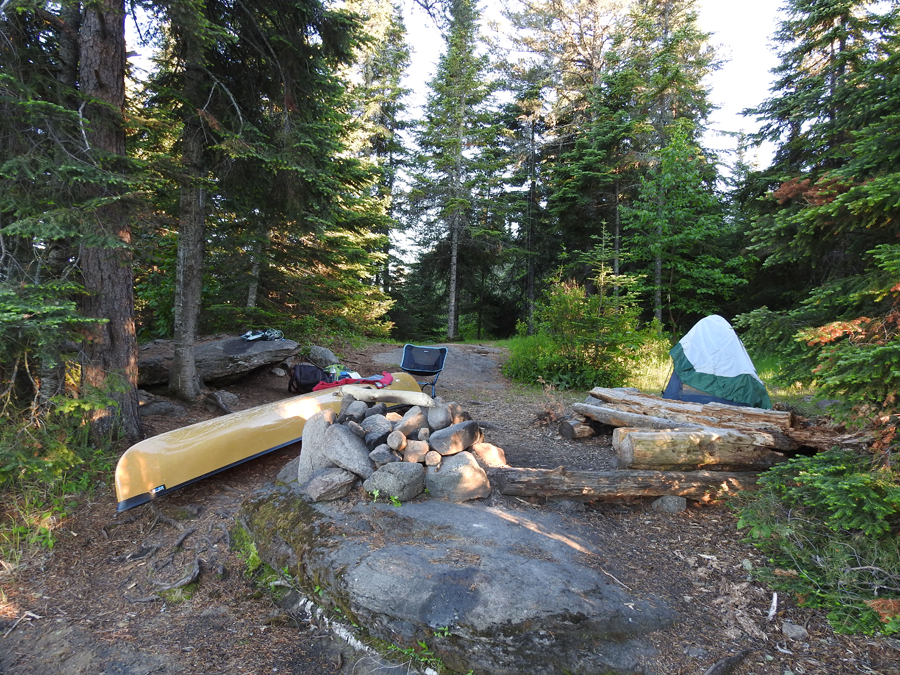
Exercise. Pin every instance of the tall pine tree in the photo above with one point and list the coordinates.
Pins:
(454, 139)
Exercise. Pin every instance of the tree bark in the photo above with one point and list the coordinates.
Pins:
(453, 284)
(184, 381)
(590, 485)
(618, 418)
(110, 349)
(687, 450)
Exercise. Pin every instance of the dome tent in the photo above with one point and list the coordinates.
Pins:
(712, 365)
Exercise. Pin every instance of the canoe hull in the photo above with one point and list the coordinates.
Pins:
(169, 461)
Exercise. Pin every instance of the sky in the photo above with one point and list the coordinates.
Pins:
(742, 34)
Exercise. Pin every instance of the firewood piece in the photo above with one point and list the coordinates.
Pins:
(578, 426)
(619, 418)
(361, 393)
(707, 414)
(590, 485)
(694, 449)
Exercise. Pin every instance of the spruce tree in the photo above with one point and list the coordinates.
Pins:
(68, 188)
(451, 184)
(828, 219)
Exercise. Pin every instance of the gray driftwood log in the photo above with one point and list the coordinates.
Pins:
(591, 485)
(619, 418)
(700, 448)
(706, 414)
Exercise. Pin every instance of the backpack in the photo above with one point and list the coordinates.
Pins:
(305, 376)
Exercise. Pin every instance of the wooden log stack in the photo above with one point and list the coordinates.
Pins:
(668, 447)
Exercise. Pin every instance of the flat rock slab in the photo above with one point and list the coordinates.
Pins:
(489, 590)
(218, 361)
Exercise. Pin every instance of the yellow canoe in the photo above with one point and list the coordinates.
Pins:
(163, 463)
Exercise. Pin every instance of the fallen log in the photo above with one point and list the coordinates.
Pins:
(619, 418)
(361, 393)
(589, 485)
(701, 448)
(707, 414)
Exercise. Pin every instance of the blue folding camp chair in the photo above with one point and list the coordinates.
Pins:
(424, 362)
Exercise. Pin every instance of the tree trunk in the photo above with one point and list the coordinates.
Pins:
(183, 379)
(255, 267)
(110, 349)
(452, 302)
(530, 297)
(590, 485)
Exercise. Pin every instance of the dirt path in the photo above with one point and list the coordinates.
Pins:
(88, 605)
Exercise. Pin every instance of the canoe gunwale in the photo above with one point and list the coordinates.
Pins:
(145, 497)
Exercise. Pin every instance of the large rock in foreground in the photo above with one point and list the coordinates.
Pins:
(218, 361)
(488, 590)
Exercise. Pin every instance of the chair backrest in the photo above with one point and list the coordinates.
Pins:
(423, 359)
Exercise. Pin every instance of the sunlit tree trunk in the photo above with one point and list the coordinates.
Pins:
(110, 348)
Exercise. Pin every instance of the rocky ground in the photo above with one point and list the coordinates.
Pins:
(87, 605)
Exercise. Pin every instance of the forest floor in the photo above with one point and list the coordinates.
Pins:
(87, 605)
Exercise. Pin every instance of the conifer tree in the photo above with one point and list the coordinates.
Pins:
(67, 183)
(378, 107)
(454, 139)
(671, 56)
(826, 219)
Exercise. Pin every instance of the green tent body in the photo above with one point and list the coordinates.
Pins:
(711, 364)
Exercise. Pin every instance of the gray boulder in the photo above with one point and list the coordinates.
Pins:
(347, 450)
(490, 591)
(489, 456)
(356, 428)
(288, 473)
(414, 419)
(439, 416)
(397, 440)
(355, 412)
(384, 455)
(377, 428)
(328, 484)
(415, 451)
(402, 480)
(312, 453)
(458, 479)
(156, 405)
(322, 356)
(377, 409)
(669, 504)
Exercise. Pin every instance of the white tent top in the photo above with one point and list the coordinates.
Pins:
(714, 348)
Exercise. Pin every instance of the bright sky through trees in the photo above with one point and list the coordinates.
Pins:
(741, 34)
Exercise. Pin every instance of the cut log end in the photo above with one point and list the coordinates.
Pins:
(577, 427)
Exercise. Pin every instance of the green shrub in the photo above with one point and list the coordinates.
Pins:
(581, 340)
(829, 524)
